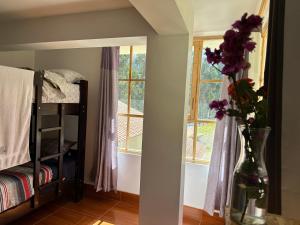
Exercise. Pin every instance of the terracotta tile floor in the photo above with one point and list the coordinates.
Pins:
(96, 211)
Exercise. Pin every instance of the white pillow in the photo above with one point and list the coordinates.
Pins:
(54, 79)
(52, 86)
(70, 75)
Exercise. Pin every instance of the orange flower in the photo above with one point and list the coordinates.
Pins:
(241, 84)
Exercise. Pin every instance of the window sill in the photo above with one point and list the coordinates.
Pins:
(129, 152)
(190, 161)
(198, 162)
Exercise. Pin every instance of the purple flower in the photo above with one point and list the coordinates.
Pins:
(219, 106)
(223, 103)
(250, 46)
(213, 57)
(231, 52)
(220, 114)
(247, 25)
(214, 105)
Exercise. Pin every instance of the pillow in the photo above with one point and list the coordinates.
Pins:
(52, 85)
(70, 75)
(54, 79)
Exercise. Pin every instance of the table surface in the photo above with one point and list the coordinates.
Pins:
(271, 220)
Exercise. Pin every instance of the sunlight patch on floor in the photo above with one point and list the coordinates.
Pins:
(97, 223)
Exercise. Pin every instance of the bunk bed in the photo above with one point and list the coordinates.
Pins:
(49, 172)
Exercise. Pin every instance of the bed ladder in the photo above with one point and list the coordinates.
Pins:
(37, 143)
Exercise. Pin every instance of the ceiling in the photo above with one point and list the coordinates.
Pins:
(20, 9)
(213, 17)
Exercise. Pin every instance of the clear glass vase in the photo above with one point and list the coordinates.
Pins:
(249, 196)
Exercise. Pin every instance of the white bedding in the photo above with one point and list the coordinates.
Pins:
(57, 90)
(16, 91)
(71, 92)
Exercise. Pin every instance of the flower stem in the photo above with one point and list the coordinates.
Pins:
(217, 69)
(245, 208)
(244, 114)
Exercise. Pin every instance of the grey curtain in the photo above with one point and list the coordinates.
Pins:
(225, 154)
(106, 177)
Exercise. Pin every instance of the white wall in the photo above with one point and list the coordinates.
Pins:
(194, 186)
(82, 26)
(129, 173)
(195, 183)
(17, 59)
(164, 135)
(290, 113)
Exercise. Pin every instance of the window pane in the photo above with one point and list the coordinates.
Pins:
(123, 97)
(205, 137)
(124, 62)
(189, 141)
(137, 97)
(207, 71)
(135, 134)
(139, 61)
(122, 131)
(208, 93)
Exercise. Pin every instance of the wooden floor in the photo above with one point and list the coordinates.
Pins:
(96, 211)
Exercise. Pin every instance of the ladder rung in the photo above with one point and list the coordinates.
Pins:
(49, 184)
(50, 129)
(50, 156)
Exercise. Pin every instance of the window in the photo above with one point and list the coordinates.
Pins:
(206, 84)
(263, 48)
(131, 84)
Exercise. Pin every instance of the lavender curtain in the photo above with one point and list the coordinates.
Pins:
(225, 154)
(106, 177)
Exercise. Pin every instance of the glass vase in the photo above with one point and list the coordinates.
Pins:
(249, 196)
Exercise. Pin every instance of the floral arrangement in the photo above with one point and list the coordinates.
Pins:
(248, 106)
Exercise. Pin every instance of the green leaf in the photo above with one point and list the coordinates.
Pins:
(233, 112)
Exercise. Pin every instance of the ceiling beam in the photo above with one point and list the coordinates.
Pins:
(167, 16)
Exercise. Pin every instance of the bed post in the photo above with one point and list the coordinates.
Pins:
(38, 84)
(79, 180)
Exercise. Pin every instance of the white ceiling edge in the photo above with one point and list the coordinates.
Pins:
(166, 17)
(205, 34)
(88, 43)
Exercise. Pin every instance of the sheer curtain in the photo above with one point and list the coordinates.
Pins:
(225, 154)
(106, 177)
(223, 160)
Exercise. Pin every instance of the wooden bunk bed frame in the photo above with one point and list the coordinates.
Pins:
(39, 110)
